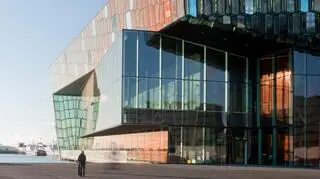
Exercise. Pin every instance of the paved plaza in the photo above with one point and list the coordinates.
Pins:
(150, 171)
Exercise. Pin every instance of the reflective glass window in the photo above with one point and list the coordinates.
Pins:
(316, 5)
(222, 7)
(236, 68)
(304, 5)
(171, 94)
(296, 23)
(290, 5)
(269, 24)
(277, 6)
(313, 106)
(310, 22)
(215, 65)
(283, 80)
(215, 96)
(149, 93)
(129, 92)
(237, 95)
(249, 6)
(171, 58)
(130, 53)
(193, 95)
(299, 62)
(265, 6)
(313, 64)
(194, 61)
(235, 4)
(148, 50)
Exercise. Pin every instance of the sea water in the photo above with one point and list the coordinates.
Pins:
(14, 158)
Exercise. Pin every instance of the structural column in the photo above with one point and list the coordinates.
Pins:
(291, 137)
(204, 101)
(274, 112)
(246, 113)
(258, 112)
(182, 101)
(305, 129)
(226, 104)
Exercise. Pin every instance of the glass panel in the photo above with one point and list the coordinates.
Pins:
(277, 6)
(215, 148)
(311, 22)
(129, 92)
(290, 5)
(249, 6)
(235, 7)
(215, 97)
(148, 93)
(148, 54)
(265, 6)
(313, 107)
(171, 58)
(283, 80)
(304, 5)
(299, 98)
(299, 62)
(192, 144)
(266, 85)
(193, 95)
(174, 145)
(316, 5)
(194, 61)
(236, 69)
(171, 94)
(237, 95)
(222, 7)
(129, 53)
(313, 64)
(269, 24)
(215, 65)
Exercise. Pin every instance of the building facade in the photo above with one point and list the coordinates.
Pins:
(194, 81)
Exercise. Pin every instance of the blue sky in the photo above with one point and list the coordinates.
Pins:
(32, 34)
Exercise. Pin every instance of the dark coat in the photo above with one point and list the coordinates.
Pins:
(82, 159)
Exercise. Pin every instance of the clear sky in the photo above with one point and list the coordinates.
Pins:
(32, 34)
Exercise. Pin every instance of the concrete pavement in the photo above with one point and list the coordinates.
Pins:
(150, 171)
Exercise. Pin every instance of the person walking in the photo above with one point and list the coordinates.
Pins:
(82, 164)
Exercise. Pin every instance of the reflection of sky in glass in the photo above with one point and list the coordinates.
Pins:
(310, 20)
(304, 5)
(249, 6)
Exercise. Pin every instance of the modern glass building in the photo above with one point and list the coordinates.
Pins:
(194, 81)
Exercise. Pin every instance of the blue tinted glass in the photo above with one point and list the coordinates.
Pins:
(130, 53)
(215, 65)
(129, 92)
(171, 58)
(193, 95)
(299, 62)
(249, 6)
(313, 64)
(192, 4)
(148, 54)
(311, 22)
(215, 96)
(304, 5)
(193, 64)
(171, 92)
(149, 93)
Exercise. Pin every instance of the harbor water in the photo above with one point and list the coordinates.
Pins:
(14, 158)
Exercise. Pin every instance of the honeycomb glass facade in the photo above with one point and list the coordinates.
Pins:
(214, 82)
